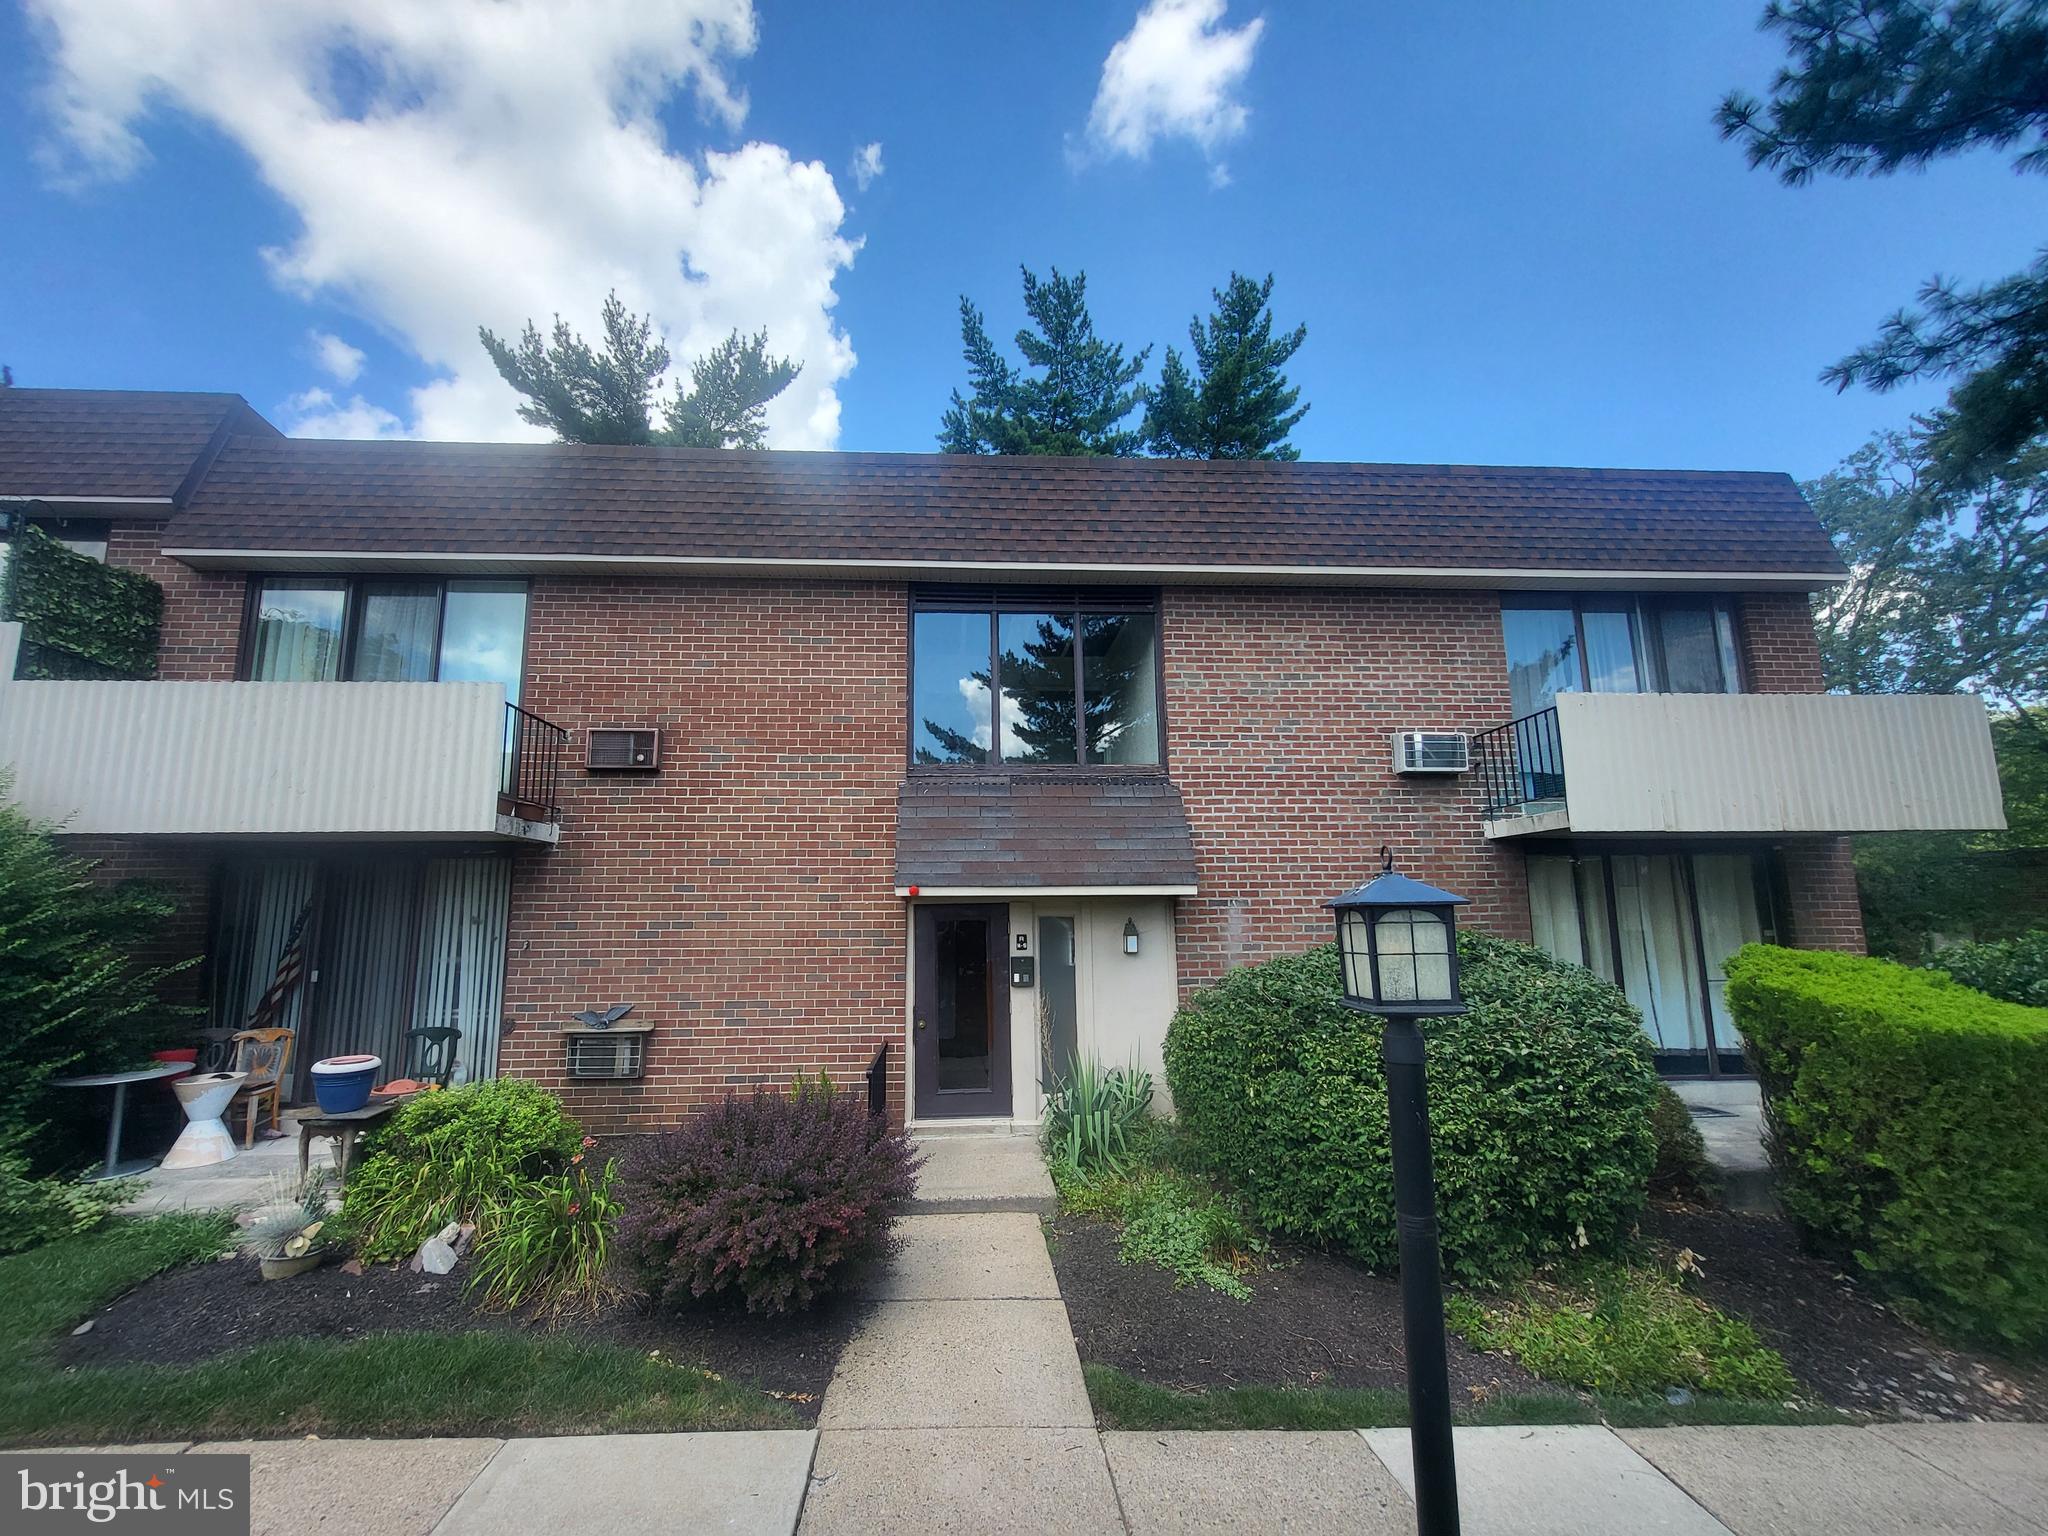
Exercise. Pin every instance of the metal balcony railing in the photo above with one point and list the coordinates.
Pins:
(1521, 766)
(534, 751)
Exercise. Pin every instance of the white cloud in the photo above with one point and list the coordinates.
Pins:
(867, 165)
(336, 358)
(316, 412)
(1176, 74)
(480, 162)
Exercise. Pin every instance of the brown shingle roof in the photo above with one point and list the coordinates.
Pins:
(1026, 833)
(569, 501)
(115, 443)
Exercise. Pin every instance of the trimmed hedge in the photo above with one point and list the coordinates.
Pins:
(1540, 1103)
(1908, 1121)
(2014, 969)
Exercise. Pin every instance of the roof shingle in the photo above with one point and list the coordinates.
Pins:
(114, 443)
(972, 832)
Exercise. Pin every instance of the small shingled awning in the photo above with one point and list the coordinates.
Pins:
(1069, 834)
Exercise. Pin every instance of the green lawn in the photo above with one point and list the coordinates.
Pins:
(391, 1384)
(1124, 1402)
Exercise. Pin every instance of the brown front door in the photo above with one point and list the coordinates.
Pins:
(960, 1019)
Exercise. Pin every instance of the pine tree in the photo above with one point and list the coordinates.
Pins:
(586, 396)
(1072, 394)
(1238, 404)
(1876, 86)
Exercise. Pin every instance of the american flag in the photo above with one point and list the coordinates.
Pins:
(291, 970)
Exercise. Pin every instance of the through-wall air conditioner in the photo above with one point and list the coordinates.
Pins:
(619, 750)
(612, 1053)
(1432, 752)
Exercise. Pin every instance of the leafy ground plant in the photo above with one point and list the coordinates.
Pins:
(1623, 1328)
(550, 1240)
(1168, 1217)
(1095, 1117)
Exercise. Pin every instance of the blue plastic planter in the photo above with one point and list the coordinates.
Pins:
(342, 1083)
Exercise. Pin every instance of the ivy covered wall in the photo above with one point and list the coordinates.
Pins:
(79, 617)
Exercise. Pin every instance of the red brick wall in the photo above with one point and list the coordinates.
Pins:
(742, 898)
(187, 873)
(1779, 654)
(202, 609)
(1281, 706)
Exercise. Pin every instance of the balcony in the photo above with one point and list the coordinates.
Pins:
(1755, 764)
(389, 761)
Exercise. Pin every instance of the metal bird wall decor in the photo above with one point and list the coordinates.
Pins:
(607, 1018)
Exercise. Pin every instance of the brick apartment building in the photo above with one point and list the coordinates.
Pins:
(985, 760)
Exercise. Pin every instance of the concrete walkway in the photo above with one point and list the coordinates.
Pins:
(1729, 1114)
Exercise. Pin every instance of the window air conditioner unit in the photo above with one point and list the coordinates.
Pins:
(617, 750)
(1432, 752)
(617, 1052)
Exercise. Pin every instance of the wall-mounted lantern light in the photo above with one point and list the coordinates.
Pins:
(1130, 936)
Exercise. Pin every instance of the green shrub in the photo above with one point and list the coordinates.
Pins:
(35, 1211)
(1908, 1122)
(1169, 1217)
(1539, 1104)
(2013, 969)
(1623, 1328)
(549, 1240)
(1092, 1115)
(452, 1156)
(1681, 1170)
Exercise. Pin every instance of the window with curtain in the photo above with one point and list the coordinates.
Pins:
(324, 629)
(1603, 644)
(1657, 916)
(1026, 678)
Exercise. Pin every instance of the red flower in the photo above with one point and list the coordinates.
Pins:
(574, 1207)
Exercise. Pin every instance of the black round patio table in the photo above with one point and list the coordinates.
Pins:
(119, 1081)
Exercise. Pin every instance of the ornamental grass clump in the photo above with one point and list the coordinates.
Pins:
(549, 1240)
(767, 1199)
(1540, 1100)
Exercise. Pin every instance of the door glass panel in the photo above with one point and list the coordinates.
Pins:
(1058, 1009)
(1724, 632)
(265, 920)
(395, 643)
(1658, 958)
(1726, 883)
(949, 703)
(298, 632)
(483, 634)
(1554, 909)
(1036, 666)
(1590, 876)
(962, 1004)
(1692, 649)
(1122, 687)
(460, 979)
(1543, 656)
(1611, 651)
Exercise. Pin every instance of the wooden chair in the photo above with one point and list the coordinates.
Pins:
(430, 1053)
(266, 1055)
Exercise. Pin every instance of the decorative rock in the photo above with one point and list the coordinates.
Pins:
(352, 1267)
(436, 1256)
(84, 1327)
(1678, 1397)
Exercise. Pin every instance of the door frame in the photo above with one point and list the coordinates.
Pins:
(927, 1100)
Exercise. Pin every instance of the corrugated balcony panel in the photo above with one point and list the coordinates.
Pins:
(257, 759)
(1760, 764)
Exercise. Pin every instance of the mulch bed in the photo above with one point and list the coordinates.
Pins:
(1843, 1344)
(202, 1310)
(1314, 1320)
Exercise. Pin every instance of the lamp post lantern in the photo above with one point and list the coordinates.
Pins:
(1398, 941)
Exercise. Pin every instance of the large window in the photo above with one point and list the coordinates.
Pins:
(306, 629)
(1595, 643)
(1024, 678)
(1660, 926)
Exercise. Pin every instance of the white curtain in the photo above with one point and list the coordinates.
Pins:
(1658, 959)
(1554, 909)
(1728, 920)
(461, 976)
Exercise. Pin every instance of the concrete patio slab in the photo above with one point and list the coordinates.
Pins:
(983, 1482)
(1193, 1483)
(747, 1481)
(960, 1365)
(1560, 1480)
(2005, 1462)
(390, 1487)
(1818, 1481)
(966, 1258)
(249, 1179)
(982, 1171)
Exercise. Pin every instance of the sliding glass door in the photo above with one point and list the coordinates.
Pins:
(1661, 927)
(383, 945)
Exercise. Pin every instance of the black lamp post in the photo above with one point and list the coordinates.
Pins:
(1398, 940)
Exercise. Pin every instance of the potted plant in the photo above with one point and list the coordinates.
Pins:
(283, 1235)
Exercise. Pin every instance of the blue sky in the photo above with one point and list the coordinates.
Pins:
(1512, 231)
